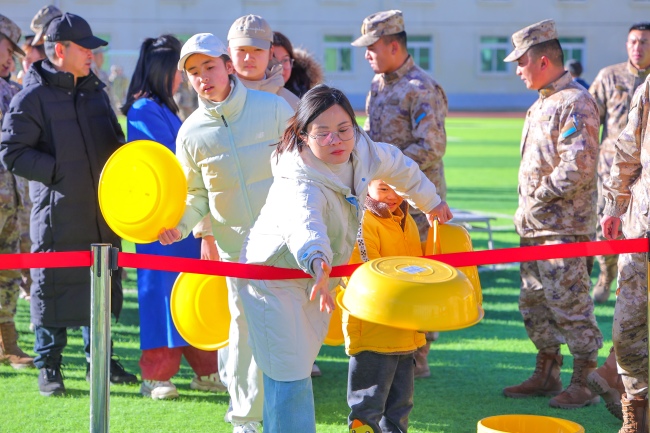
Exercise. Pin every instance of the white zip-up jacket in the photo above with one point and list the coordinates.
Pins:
(225, 150)
(310, 214)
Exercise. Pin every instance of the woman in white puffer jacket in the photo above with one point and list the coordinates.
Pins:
(321, 171)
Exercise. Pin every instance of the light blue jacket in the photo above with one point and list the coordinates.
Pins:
(225, 150)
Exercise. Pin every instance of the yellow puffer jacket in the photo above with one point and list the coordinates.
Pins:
(384, 234)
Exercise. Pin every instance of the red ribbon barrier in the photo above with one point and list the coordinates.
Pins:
(258, 272)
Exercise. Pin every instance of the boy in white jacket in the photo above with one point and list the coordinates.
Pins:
(224, 148)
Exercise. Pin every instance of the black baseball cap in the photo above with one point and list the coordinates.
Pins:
(73, 28)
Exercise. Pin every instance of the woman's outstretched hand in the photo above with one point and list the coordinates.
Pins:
(322, 285)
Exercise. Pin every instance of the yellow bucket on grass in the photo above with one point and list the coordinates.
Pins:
(199, 309)
(527, 424)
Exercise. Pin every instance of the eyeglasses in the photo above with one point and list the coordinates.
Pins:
(287, 63)
(328, 138)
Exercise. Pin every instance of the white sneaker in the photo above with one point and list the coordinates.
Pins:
(158, 389)
(249, 427)
(210, 383)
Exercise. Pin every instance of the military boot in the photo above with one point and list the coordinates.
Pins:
(10, 353)
(635, 415)
(545, 380)
(606, 382)
(577, 394)
(608, 270)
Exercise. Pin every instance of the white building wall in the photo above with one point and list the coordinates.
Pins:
(455, 26)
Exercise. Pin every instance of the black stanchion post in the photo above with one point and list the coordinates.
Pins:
(100, 336)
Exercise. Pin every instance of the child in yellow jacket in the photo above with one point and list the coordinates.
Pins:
(380, 375)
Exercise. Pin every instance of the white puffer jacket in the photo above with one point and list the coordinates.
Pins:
(309, 213)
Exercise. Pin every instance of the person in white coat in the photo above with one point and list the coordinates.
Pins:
(321, 171)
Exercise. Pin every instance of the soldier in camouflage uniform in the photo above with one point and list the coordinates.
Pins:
(627, 197)
(557, 205)
(405, 107)
(613, 89)
(10, 207)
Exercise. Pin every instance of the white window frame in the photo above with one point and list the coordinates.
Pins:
(494, 46)
(416, 46)
(338, 46)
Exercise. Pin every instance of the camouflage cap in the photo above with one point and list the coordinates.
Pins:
(41, 20)
(9, 29)
(379, 24)
(532, 35)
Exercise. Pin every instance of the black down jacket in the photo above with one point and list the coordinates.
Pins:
(59, 136)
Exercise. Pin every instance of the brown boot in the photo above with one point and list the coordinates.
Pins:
(421, 362)
(606, 382)
(545, 380)
(635, 415)
(577, 394)
(608, 270)
(10, 353)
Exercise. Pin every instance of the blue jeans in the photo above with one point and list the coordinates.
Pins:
(50, 342)
(289, 406)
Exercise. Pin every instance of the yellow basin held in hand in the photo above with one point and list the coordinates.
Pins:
(199, 308)
(142, 189)
(527, 424)
(411, 293)
(452, 238)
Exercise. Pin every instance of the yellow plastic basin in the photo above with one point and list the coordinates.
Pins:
(527, 424)
(142, 189)
(453, 238)
(199, 308)
(411, 293)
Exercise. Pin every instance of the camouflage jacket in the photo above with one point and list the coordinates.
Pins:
(559, 151)
(407, 108)
(613, 89)
(628, 188)
(9, 196)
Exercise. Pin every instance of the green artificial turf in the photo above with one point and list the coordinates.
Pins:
(469, 367)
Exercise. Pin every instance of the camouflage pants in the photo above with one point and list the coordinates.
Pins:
(555, 303)
(630, 331)
(9, 279)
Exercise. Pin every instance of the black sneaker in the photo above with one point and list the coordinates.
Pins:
(118, 374)
(50, 381)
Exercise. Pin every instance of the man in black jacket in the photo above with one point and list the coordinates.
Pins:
(59, 132)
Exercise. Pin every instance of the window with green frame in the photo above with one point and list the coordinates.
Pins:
(420, 47)
(493, 50)
(338, 53)
(573, 48)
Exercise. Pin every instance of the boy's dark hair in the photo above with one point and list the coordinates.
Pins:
(640, 26)
(400, 38)
(313, 104)
(551, 49)
(154, 72)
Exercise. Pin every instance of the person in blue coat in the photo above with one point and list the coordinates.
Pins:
(152, 115)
